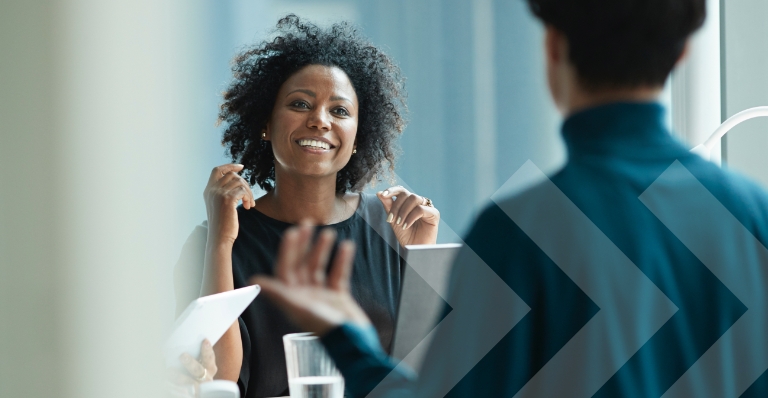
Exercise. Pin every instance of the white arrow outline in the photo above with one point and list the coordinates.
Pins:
(456, 345)
(685, 206)
(599, 268)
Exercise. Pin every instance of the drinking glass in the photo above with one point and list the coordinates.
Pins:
(311, 372)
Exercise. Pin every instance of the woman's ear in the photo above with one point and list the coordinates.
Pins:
(265, 133)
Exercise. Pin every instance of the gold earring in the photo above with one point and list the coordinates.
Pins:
(263, 135)
(354, 151)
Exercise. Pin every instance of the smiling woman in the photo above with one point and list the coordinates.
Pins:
(314, 122)
(311, 117)
(260, 72)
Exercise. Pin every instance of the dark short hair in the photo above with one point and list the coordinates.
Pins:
(261, 70)
(623, 43)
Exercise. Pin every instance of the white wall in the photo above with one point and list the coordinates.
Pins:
(696, 84)
(92, 106)
(30, 361)
(746, 84)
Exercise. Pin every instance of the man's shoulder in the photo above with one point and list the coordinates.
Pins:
(746, 198)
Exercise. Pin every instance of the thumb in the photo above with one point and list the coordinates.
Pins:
(270, 287)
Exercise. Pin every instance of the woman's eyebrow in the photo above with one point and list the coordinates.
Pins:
(313, 95)
(305, 91)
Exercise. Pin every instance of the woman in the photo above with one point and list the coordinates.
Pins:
(312, 116)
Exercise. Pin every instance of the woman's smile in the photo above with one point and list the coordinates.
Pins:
(315, 145)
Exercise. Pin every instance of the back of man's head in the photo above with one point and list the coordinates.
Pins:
(622, 43)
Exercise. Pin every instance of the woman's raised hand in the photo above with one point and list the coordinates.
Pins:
(224, 190)
(413, 220)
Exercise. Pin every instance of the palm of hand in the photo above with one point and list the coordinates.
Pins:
(313, 301)
(317, 308)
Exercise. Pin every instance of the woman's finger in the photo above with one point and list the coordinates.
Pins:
(238, 190)
(392, 191)
(415, 215)
(386, 196)
(304, 246)
(175, 376)
(250, 189)
(192, 366)
(399, 200)
(318, 257)
(248, 201)
(288, 256)
(341, 270)
(220, 171)
(208, 358)
(273, 288)
(429, 214)
(406, 207)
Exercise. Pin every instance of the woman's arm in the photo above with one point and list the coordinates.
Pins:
(224, 190)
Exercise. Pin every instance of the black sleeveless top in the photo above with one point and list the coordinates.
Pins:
(375, 284)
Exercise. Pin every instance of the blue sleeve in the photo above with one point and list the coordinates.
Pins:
(367, 370)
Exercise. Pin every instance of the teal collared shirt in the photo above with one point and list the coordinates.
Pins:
(615, 153)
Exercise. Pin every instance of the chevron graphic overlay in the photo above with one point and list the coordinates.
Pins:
(608, 277)
(733, 254)
(453, 346)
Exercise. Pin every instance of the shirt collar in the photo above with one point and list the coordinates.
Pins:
(636, 127)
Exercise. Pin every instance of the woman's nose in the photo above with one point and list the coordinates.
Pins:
(319, 119)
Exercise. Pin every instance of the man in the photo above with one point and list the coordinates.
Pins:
(637, 270)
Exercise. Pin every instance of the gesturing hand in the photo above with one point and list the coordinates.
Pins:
(224, 190)
(314, 302)
(413, 222)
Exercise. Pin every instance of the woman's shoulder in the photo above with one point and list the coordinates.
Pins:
(373, 216)
(371, 207)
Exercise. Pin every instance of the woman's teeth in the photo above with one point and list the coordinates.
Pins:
(314, 144)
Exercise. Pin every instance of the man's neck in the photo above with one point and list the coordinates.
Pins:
(581, 99)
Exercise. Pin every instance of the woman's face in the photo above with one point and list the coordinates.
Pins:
(314, 122)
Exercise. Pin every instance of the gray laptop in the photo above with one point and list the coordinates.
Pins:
(425, 284)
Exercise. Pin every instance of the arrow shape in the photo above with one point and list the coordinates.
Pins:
(466, 334)
(598, 267)
(733, 254)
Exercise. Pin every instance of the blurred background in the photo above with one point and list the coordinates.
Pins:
(108, 113)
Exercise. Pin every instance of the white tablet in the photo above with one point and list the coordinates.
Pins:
(209, 318)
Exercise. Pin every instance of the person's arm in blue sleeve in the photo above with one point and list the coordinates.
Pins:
(358, 354)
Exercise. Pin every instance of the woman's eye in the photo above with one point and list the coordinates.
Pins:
(300, 104)
(341, 112)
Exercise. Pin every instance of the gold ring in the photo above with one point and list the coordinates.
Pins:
(427, 202)
(205, 373)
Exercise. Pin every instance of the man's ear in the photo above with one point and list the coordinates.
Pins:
(684, 53)
(554, 45)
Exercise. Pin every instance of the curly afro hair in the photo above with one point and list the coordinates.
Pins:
(260, 71)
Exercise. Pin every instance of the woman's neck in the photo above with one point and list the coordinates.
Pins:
(297, 198)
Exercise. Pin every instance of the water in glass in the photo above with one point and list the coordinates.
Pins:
(317, 387)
